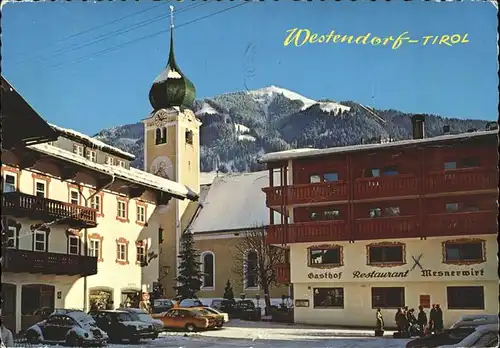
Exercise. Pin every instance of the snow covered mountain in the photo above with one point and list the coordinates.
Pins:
(239, 127)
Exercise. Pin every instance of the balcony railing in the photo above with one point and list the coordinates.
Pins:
(307, 193)
(21, 204)
(387, 186)
(462, 223)
(461, 180)
(387, 227)
(282, 273)
(304, 232)
(26, 261)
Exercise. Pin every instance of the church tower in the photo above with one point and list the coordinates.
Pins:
(172, 150)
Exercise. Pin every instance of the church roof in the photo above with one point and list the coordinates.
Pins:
(172, 88)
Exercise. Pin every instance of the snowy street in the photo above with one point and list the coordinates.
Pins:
(263, 334)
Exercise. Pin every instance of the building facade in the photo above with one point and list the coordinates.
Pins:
(404, 223)
(80, 227)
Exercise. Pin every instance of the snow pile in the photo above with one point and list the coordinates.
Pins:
(246, 137)
(127, 141)
(206, 109)
(97, 143)
(241, 129)
(265, 95)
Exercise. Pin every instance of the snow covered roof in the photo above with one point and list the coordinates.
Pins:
(309, 152)
(97, 143)
(234, 202)
(206, 109)
(134, 175)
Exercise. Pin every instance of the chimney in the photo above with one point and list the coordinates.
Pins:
(446, 129)
(418, 122)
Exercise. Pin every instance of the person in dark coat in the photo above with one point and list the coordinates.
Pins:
(432, 320)
(438, 321)
(401, 321)
(380, 321)
(422, 319)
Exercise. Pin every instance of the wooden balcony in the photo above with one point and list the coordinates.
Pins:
(387, 186)
(282, 273)
(307, 193)
(469, 179)
(23, 205)
(387, 228)
(462, 223)
(27, 261)
(304, 232)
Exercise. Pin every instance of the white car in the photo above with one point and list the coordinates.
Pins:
(473, 320)
(483, 336)
(215, 311)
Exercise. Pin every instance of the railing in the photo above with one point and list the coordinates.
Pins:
(461, 180)
(27, 261)
(387, 227)
(307, 193)
(462, 223)
(33, 205)
(304, 232)
(282, 273)
(388, 186)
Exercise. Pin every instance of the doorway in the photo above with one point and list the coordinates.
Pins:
(37, 303)
(9, 306)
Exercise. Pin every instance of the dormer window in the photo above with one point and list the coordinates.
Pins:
(121, 163)
(161, 135)
(109, 160)
(189, 137)
(78, 149)
(92, 155)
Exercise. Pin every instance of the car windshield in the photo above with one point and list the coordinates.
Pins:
(198, 313)
(211, 310)
(144, 317)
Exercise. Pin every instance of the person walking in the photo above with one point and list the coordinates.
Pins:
(422, 319)
(438, 321)
(6, 334)
(432, 319)
(379, 328)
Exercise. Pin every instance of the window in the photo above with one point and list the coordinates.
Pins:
(73, 245)
(40, 189)
(109, 160)
(140, 252)
(450, 165)
(451, 207)
(465, 297)
(161, 136)
(314, 215)
(95, 248)
(332, 214)
(208, 269)
(390, 170)
(121, 163)
(313, 179)
(384, 212)
(9, 183)
(40, 240)
(141, 214)
(121, 212)
(380, 254)
(189, 137)
(329, 177)
(456, 252)
(92, 155)
(121, 252)
(95, 203)
(469, 163)
(78, 149)
(12, 236)
(74, 197)
(388, 297)
(251, 270)
(328, 298)
(372, 173)
(325, 256)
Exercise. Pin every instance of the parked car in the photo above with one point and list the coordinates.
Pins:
(224, 305)
(483, 336)
(162, 305)
(474, 320)
(190, 302)
(141, 315)
(73, 328)
(66, 310)
(246, 310)
(120, 325)
(225, 316)
(189, 319)
(209, 312)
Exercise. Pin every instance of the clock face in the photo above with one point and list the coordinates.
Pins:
(160, 118)
(162, 166)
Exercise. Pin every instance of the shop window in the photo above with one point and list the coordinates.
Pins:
(390, 170)
(382, 254)
(451, 207)
(325, 256)
(450, 165)
(388, 297)
(332, 214)
(384, 212)
(314, 215)
(314, 179)
(328, 298)
(330, 177)
(469, 163)
(467, 251)
(465, 297)
(372, 173)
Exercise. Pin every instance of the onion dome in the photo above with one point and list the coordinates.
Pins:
(171, 88)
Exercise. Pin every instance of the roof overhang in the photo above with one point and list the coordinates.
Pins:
(15, 112)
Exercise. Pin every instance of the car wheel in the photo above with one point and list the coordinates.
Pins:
(74, 341)
(32, 337)
(190, 328)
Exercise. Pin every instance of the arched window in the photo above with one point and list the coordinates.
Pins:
(208, 269)
(251, 270)
(164, 135)
(158, 136)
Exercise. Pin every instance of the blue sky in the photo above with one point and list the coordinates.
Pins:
(243, 48)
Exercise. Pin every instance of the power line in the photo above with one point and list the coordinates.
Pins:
(108, 35)
(30, 52)
(114, 48)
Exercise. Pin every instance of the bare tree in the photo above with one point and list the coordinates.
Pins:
(261, 269)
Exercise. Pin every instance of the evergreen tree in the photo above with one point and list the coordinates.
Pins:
(189, 278)
(228, 291)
